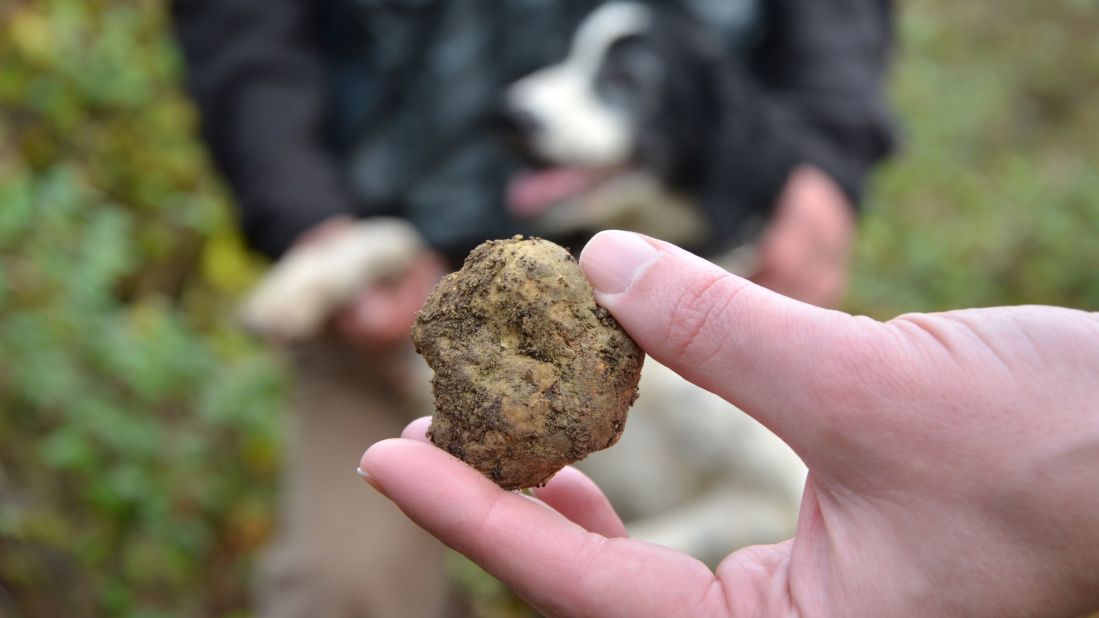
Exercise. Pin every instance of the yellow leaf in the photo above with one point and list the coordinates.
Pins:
(30, 31)
(226, 263)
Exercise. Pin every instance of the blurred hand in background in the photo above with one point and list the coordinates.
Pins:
(805, 253)
(382, 313)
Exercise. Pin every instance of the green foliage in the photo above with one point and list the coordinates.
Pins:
(994, 198)
(139, 429)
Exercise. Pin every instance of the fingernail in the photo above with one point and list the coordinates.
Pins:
(369, 479)
(613, 260)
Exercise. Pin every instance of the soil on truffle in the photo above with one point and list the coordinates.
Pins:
(530, 374)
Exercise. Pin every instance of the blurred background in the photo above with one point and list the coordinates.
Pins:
(140, 429)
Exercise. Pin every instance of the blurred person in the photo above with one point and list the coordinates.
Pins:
(953, 460)
(320, 114)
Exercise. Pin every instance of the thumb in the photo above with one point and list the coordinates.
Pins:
(780, 360)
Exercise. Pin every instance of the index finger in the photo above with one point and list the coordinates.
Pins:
(556, 565)
(570, 492)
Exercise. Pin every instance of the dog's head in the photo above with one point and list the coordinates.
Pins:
(634, 93)
(618, 133)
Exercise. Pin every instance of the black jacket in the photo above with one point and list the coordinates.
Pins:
(316, 108)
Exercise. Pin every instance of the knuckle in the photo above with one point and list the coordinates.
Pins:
(696, 329)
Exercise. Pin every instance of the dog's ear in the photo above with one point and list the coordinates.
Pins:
(704, 132)
(675, 133)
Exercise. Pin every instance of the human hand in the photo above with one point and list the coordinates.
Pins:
(380, 314)
(952, 460)
(805, 252)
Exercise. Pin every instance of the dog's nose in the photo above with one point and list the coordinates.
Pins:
(515, 121)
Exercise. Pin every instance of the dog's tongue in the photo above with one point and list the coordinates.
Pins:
(532, 193)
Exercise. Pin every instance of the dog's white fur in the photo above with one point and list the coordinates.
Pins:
(694, 473)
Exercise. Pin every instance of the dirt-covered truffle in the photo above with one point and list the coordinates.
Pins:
(530, 375)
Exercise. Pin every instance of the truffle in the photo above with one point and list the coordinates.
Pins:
(530, 374)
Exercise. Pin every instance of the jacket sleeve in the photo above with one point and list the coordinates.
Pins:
(823, 65)
(260, 89)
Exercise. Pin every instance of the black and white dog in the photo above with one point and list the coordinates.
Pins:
(638, 128)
